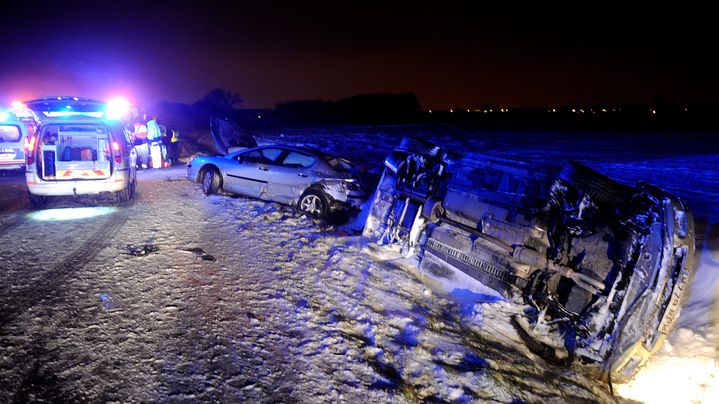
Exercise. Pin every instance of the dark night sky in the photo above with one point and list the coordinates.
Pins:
(449, 53)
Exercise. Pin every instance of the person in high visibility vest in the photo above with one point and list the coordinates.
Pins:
(153, 129)
(173, 147)
(139, 142)
(154, 140)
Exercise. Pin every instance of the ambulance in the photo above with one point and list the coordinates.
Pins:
(16, 123)
(79, 148)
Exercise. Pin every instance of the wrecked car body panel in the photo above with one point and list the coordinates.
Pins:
(603, 265)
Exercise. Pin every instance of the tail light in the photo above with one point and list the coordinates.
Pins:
(116, 148)
(29, 144)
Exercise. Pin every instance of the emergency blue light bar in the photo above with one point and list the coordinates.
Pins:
(56, 114)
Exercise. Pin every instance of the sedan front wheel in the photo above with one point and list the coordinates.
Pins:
(210, 182)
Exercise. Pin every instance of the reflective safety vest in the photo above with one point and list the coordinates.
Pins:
(153, 130)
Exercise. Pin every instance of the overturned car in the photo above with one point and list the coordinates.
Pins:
(602, 265)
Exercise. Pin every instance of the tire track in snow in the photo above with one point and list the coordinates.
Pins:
(16, 220)
(75, 261)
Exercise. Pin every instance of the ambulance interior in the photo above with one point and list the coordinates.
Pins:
(75, 152)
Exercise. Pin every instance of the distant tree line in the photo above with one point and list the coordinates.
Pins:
(388, 108)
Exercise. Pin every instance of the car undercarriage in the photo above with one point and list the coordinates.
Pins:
(602, 266)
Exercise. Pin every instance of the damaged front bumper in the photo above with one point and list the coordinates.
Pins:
(657, 288)
(343, 194)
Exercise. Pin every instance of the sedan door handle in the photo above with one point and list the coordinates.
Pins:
(263, 168)
(302, 174)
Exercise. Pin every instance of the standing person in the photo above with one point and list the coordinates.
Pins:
(153, 140)
(139, 141)
(174, 146)
(165, 145)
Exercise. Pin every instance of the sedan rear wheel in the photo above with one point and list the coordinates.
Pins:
(314, 203)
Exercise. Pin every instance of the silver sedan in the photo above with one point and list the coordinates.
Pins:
(317, 183)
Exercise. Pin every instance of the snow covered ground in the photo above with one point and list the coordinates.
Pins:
(685, 164)
(181, 297)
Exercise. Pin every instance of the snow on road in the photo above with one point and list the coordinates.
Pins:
(183, 297)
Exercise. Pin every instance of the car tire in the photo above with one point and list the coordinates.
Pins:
(210, 181)
(599, 187)
(314, 203)
(417, 146)
(133, 189)
(124, 195)
(37, 201)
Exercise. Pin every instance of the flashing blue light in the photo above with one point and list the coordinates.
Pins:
(4, 116)
(55, 215)
(58, 114)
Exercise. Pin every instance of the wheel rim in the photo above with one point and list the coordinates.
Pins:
(207, 181)
(311, 204)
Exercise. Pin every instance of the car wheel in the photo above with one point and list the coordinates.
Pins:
(210, 181)
(314, 203)
(124, 195)
(133, 189)
(37, 201)
(599, 187)
(417, 146)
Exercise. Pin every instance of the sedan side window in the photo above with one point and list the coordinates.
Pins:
(260, 156)
(271, 155)
(253, 156)
(298, 160)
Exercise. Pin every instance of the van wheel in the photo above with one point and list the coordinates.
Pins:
(314, 203)
(124, 195)
(133, 189)
(37, 201)
(210, 181)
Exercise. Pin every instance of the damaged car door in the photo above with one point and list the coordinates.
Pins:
(250, 174)
(291, 177)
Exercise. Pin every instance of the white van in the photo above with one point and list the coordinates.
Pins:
(13, 132)
(75, 151)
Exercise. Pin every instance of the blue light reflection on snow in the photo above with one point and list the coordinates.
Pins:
(467, 299)
(55, 215)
